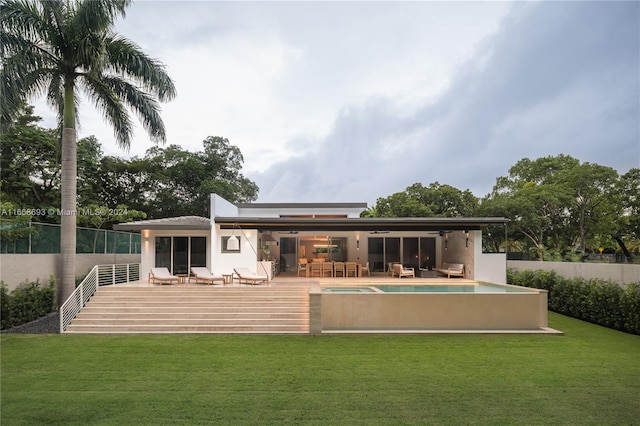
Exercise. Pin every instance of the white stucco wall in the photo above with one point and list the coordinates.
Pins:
(489, 267)
(223, 263)
(148, 237)
(16, 268)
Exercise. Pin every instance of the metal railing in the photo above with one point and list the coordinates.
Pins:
(100, 275)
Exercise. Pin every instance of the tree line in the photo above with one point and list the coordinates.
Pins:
(559, 208)
(166, 182)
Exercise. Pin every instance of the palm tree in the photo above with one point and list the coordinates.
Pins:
(56, 48)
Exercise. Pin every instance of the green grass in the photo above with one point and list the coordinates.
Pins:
(589, 376)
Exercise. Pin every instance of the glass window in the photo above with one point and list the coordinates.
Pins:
(427, 253)
(410, 252)
(163, 252)
(199, 251)
(392, 250)
(180, 255)
(376, 254)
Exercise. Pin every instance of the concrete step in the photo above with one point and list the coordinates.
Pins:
(201, 309)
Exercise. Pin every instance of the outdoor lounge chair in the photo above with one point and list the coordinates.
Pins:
(451, 269)
(202, 275)
(244, 274)
(401, 271)
(162, 276)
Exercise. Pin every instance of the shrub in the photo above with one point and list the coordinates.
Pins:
(601, 302)
(28, 302)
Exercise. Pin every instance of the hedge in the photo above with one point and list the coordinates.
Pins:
(28, 302)
(598, 301)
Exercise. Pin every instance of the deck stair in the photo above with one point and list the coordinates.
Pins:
(195, 309)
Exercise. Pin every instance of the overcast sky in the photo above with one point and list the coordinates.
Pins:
(352, 101)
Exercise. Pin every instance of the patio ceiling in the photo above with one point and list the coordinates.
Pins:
(361, 224)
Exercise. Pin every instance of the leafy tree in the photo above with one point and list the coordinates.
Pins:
(12, 225)
(628, 188)
(98, 217)
(178, 182)
(29, 166)
(594, 208)
(89, 171)
(55, 48)
(419, 201)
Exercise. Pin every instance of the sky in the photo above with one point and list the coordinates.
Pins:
(354, 101)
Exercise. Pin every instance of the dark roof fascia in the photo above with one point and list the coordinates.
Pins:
(180, 223)
(360, 224)
(140, 227)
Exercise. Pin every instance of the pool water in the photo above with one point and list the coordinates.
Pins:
(348, 290)
(476, 288)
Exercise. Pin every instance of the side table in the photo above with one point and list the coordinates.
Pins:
(228, 279)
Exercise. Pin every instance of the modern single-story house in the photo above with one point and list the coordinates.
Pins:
(274, 236)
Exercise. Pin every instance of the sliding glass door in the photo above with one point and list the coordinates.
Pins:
(179, 254)
(412, 252)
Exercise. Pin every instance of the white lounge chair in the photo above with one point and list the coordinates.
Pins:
(202, 275)
(244, 274)
(161, 276)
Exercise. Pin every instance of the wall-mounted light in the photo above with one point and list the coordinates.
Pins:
(446, 241)
(358, 244)
(466, 243)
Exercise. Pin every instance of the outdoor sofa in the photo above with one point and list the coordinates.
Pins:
(451, 269)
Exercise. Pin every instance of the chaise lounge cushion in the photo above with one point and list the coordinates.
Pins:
(452, 269)
(201, 274)
(244, 274)
(161, 276)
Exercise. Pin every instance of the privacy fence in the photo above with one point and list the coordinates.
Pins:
(44, 238)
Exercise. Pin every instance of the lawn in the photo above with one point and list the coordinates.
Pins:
(589, 376)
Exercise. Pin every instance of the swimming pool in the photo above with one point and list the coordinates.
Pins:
(462, 288)
(388, 306)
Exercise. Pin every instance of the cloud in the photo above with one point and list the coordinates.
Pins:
(556, 78)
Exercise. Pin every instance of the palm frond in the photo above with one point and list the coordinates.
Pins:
(113, 109)
(145, 106)
(98, 15)
(127, 58)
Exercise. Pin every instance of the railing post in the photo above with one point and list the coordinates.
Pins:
(113, 274)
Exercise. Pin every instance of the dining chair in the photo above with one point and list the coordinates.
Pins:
(316, 268)
(338, 268)
(351, 268)
(302, 265)
(365, 268)
(327, 269)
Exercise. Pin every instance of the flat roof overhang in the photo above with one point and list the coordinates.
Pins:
(360, 224)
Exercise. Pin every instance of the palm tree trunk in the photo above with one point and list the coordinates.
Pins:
(68, 204)
(69, 196)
